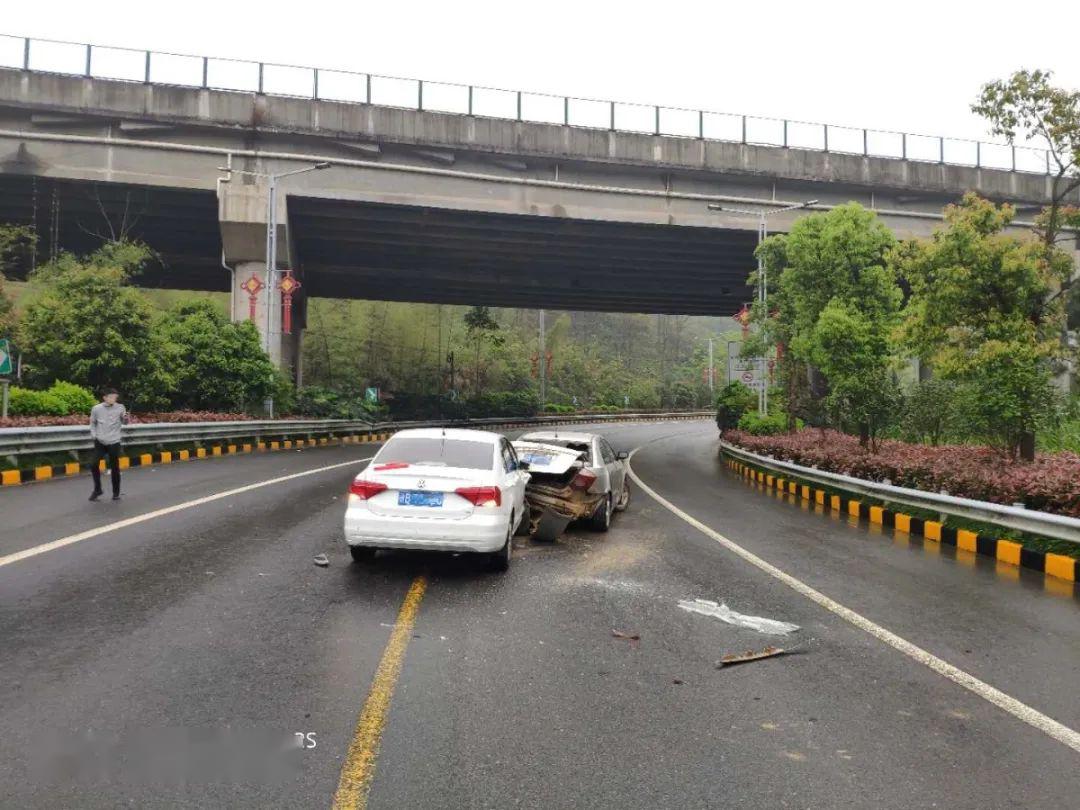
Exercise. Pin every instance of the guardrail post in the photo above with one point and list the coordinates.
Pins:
(146, 74)
(785, 134)
(941, 150)
(657, 128)
(611, 125)
(701, 124)
(518, 105)
(903, 145)
(420, 95)
(368, 96)
(470, 99)
(205, 71)
(978, 154)
(26, 54)
(865, 144)
(315, 84)
(89, 48)
(566, 111)
(825, 130)
(744, 129)
(1014, 158)
(260, 78)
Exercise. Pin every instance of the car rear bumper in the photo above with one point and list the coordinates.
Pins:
(480, 533)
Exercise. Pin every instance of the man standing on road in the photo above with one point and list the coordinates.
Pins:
(106, 419)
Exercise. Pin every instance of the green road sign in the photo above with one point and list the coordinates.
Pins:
(5, 357)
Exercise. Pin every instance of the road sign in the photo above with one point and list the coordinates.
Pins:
(750, 371)
(371, 395)
(5, 357)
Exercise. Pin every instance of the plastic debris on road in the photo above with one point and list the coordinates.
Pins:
(750, 655)
(627, 636)
(321, 561)
(707, 607)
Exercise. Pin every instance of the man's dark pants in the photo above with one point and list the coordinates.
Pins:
(112, 451)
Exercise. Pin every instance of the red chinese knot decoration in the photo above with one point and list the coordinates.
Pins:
(252, 286)
(288, 285)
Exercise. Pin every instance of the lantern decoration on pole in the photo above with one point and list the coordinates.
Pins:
(252, 286)
(288, 285)
(743, 319)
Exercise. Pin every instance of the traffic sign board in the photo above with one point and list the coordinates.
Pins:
(5, 357)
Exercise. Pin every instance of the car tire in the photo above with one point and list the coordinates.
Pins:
(601, 521)
(362, 554)
(500, 560)
(624, 501)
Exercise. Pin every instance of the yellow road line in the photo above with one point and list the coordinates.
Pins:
(359, 766)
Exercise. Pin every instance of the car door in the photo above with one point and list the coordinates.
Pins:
(616, 469)
(514, 479)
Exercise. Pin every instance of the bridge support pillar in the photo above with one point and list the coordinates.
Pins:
(242, 218)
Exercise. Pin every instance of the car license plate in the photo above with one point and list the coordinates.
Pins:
(413, 498)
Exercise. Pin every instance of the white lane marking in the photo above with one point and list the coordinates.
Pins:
(168, 510)
(1022, 711)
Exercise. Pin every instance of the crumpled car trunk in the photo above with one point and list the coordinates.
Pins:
(552, 498)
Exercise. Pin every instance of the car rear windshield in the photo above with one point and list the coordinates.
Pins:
(582, 447)
(433, 450)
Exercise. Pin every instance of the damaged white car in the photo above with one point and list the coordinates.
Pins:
(572, 476)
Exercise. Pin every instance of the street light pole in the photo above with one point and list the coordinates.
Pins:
(542, 361)
(762, 215)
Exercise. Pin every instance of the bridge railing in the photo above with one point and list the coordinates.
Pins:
(185, 70)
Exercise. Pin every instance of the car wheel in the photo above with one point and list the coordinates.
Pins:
(601, 521)
(500, 560)
(624, 501)
(362, 554)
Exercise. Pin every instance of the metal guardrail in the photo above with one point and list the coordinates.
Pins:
(16, 442)
(186, 70)
(1031, 521)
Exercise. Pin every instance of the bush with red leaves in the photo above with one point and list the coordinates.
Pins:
(136, 418)
(1051, 483)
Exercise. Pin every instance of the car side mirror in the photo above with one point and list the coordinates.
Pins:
(622, 455)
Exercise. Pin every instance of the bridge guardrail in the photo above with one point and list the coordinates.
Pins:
(1031, 521)
(237, 75)
(15, 442)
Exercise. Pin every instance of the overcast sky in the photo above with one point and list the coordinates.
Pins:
(913, 66)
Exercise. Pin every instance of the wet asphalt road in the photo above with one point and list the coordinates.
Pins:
(212, 622)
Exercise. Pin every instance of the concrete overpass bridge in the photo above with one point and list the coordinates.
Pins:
(446, 205)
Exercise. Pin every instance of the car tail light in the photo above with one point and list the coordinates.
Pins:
(583, 480)
(366, 489)
(392, 465)
(481, 496)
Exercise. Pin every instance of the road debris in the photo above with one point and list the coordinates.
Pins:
(321, 560)
(750, 655)
(677, 681)
(707, 607)
(627, 636)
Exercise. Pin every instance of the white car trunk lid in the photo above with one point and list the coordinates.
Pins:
(407, 478)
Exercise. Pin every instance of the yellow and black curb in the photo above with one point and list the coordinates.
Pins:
(232, 448)
(1003, 550)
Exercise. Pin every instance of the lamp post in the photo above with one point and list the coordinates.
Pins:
(271, 233)
(762, 215)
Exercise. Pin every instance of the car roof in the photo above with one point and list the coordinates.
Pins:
(558, 434)
(448, 433)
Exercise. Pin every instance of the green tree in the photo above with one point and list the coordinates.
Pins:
(834, 308)
(85, 325)
(482, 328)
(15, 241)
(1027, 107)
(979, 311)
(218, 365)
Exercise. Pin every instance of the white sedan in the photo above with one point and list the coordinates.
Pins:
(436, 489)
